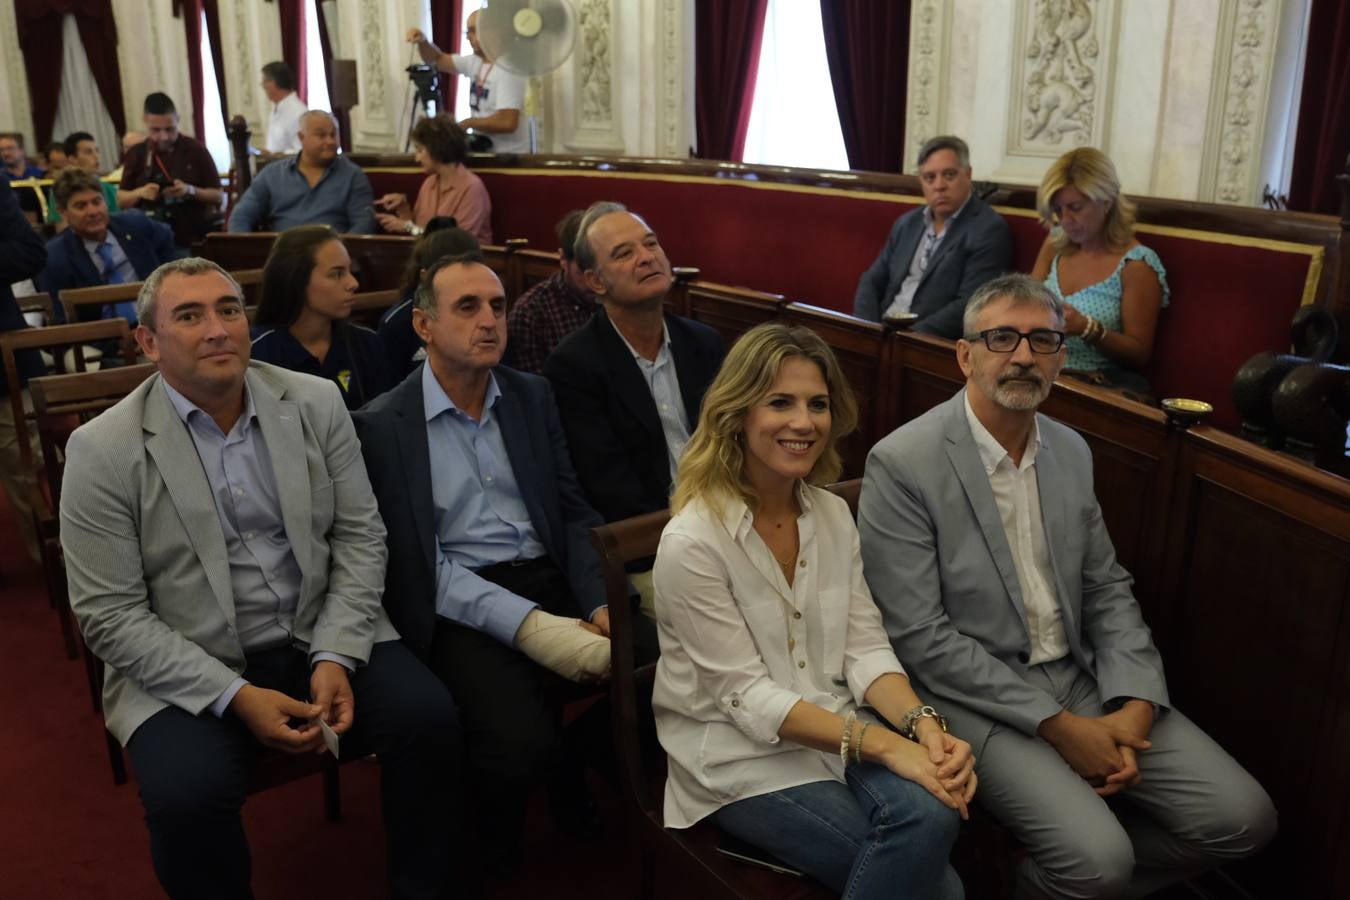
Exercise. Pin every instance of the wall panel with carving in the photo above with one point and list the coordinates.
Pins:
(1178, 92)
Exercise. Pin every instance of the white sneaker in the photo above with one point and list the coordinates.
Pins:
(561, 645)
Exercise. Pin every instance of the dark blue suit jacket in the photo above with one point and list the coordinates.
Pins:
(21, 256)
(393, 433)
(147, 243)
(977, 247)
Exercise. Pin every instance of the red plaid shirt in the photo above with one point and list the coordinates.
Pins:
(543, 316)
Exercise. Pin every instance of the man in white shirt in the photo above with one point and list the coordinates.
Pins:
(496, 96)
(986, 551)
(283, 124)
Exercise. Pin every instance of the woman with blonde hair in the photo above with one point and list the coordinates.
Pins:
(771, 645)
(1113, 287)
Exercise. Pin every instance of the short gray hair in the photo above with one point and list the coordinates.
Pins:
(582, 252)
(424, 298)
(946, 142)
(1020, 289)
(147, 301)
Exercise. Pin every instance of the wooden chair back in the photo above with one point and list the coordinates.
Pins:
(56, 339)
(76, 300)
(692, 850)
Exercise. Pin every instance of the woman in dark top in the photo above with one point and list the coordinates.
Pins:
(303, 316)
(402, 346)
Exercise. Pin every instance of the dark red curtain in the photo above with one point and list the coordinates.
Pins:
(343, 116)
(292, 14)
(446, 29)
(1323, 140)
(867, 45)
(191, 12)
(727, 38)
(39, 26)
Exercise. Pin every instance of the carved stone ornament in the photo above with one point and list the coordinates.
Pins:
(924, 67)
(594, 79)
(243, 52)
(372, 64)
(16, 77)
(672, 71)
(1061, 80)
(1251, 54)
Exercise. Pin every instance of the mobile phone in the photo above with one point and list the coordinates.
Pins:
(739, 850)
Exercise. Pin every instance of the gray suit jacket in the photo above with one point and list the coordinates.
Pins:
(145, 553)
(977, 247)
(939, 565)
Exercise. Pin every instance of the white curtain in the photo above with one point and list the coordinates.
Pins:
(80, 107)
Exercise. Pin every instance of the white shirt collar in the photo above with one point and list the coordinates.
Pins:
(991, 451)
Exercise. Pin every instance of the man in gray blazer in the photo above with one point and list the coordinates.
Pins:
(225, 560)
(936, 256)
(986, 551)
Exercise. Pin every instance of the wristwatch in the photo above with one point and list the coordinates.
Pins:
(914, 715)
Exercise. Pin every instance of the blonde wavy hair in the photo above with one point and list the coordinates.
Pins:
(1092, 173)
(713, 465)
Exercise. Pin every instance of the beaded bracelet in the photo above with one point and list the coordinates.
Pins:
(846, 738)
(862, 733)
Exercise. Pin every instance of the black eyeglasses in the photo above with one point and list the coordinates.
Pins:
(1006, 340)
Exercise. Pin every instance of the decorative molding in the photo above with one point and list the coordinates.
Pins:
(16, 77)
(243, 52)
(1242, 86)
(594, 73)
(1058, 66)
(673, 103)
(157, 47)
(373, 93)
(927, 65)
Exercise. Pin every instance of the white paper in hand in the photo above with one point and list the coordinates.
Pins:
(330, 738)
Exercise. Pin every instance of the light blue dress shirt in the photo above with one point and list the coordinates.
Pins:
(281, 198)
(664, 383)
(481, 518)
(923, 254)
(264, 576)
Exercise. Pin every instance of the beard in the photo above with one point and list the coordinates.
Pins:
(1021, 390)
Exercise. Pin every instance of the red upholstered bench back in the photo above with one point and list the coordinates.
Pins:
(1232, 297)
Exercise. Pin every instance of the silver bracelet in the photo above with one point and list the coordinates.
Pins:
(846, 738)
(862, 733)
(911, 719)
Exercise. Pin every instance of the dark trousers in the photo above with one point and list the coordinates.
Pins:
(511, 708)
(193, 774)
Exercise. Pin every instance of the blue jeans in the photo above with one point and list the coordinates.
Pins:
(879, 836)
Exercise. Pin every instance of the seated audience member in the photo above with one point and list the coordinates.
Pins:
(552, 309)
(226, 623)
(630, 381)
(304, 316)
(496, 96)
(283, 122)
(54, 160)
(771, 645)
(938, 255)
(82, 151)
(171, 176)
(315, 187)
(21, 256)
(402, 346)
(1112, 286)
(988, 555)
(15, 161)
(450, 189)
(97, 248)
(490, 562)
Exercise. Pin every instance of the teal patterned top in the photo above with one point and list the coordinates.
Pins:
(1102, 302)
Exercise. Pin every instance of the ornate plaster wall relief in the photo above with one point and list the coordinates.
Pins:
(243, 53)
(1242, 75)
(927, 64)
(593, 69)
(375, 121)
(594, 117)
(674, 121)
(1060, 75)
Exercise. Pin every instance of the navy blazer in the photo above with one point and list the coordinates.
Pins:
(618, 445)
(977, 247)
(21, 256)
(393, 433)
(148, 245)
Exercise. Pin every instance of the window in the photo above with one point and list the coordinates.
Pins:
(793, 119)
(217, 142)
(314, 73)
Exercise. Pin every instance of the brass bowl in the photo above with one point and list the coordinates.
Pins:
(1183, 412)
(901, 321)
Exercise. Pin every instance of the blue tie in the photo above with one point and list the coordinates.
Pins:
(113, 275)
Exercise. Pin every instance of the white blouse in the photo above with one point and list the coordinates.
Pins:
(739, 648)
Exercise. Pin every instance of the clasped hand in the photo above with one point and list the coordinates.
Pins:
(281, 722)
(1104, 749)
(939, 762)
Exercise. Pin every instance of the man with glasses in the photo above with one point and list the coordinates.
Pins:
(986, 551)
(937, 255)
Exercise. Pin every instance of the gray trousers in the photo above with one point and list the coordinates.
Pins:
(1195, 808)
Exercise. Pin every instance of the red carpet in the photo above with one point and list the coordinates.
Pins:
(67, 833)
